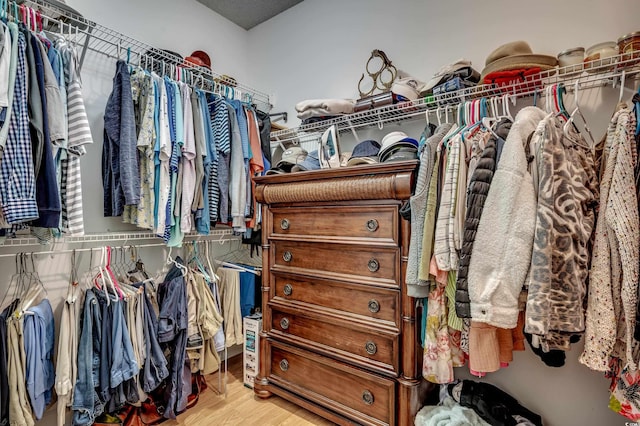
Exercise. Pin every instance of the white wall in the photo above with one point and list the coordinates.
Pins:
(319, 48)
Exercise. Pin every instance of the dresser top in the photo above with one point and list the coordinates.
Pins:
(367, 182)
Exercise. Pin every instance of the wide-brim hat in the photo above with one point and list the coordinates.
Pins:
(516, 55)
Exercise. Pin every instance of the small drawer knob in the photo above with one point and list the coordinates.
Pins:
(373, 265)
(367, 397)
(372, 225)
(374, 306)
(284, 365)
(288, 289)
(287, 256)
(371, 348)
(284, 323)
(284, 224)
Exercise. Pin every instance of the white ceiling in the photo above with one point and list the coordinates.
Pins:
(249, 13)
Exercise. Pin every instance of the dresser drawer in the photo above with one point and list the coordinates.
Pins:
(368, 302)
(355, 394)
(362, 222)
(372, 349)
(377, 265)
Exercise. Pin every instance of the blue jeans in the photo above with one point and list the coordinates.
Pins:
(155, 369)
(172, 333)
(86, 403)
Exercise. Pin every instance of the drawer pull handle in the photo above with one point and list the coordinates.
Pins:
(287, 256)
(374, 306)
(371, 348)
(284, 224)
(284, 323)
(367, 397)
(284, 365)
(288, 289)
(372, 225)
(373, 265)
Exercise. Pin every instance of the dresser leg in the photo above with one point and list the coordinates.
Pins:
(413, 394)
(260, 388)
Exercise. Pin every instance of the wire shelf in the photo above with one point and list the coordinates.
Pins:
(214, 235)
(588, 75)
(91, 36)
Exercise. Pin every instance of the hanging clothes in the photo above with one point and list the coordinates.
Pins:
(505, 231)
(613, 285)
(565, 219)
(78, 138)
(120, 175)
(17, 178)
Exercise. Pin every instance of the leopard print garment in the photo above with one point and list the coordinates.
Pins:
(565, 219)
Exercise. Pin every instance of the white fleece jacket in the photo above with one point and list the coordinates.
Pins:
(502, 249)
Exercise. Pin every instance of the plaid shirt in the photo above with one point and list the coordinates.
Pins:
(17, 180)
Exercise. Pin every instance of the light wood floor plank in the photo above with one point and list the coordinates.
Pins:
(242, 407)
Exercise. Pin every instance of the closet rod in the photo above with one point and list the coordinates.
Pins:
(106, 41)
(124, 246)
(599, 73)
(55, 252)
(119, 236)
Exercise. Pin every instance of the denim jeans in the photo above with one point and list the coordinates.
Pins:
(86, 403)
(155, 367)
(123, 362)
(172, 333)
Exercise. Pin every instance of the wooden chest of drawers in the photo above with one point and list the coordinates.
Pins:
(339, 332)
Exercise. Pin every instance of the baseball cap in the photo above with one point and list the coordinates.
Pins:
(444, 73)
(400, 153)
(311, 162)
(394, 140)
(291, 156)
(358, 161)
(368, 148)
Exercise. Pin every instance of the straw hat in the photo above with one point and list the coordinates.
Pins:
(516, 55)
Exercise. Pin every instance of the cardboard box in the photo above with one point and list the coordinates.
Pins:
(251, 349)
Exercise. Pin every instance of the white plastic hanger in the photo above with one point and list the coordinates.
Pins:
(577, 110)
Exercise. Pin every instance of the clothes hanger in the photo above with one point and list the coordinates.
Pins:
(570, 120)
(622, 81)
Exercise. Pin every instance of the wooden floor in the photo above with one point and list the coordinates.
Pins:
(241, 407)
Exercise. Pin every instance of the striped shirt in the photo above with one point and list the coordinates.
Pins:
(79, 135)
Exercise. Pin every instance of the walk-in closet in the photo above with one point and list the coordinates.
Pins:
(317, 212)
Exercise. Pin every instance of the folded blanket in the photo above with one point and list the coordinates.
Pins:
(316, 112)
(331, 106)
(448, 413)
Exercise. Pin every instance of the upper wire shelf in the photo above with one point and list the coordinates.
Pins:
(588, 75)
(91, 36)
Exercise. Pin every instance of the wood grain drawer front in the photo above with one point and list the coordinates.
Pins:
(368, 302)
(355, 394)
(370, 349)
(373, 264)
(363, 222)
